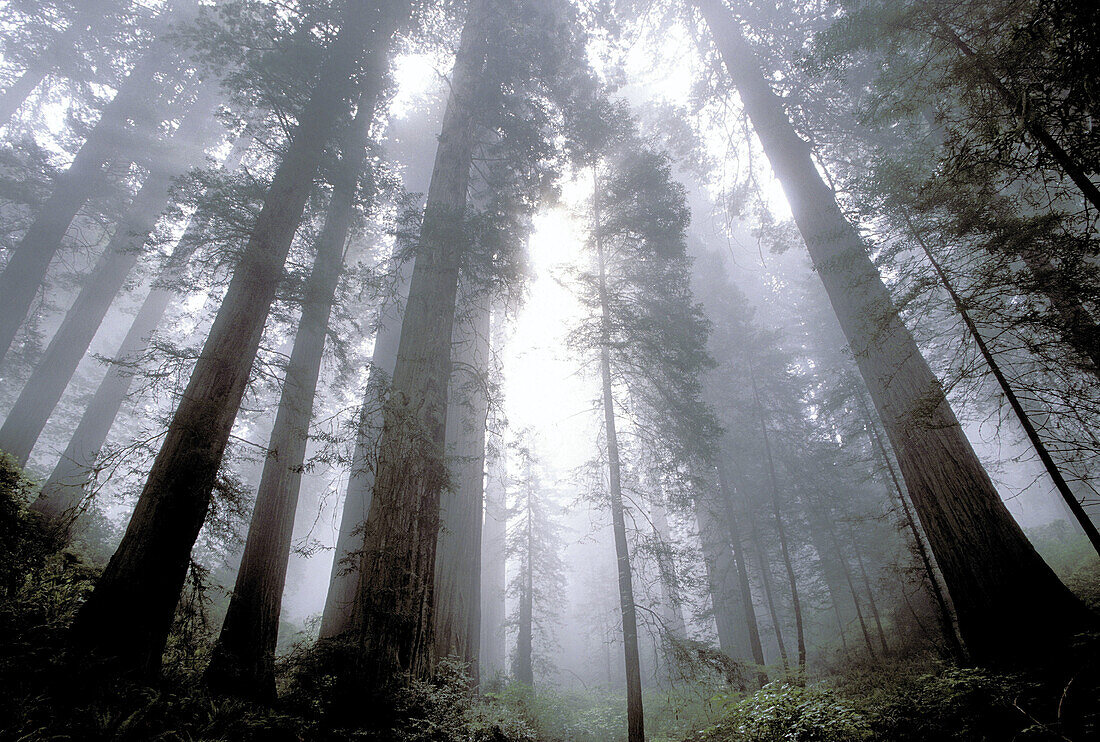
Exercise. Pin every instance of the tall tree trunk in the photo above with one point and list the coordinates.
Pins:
(721, 571)
(634, 712)
(128, 615)
(870, 594)
(457, 607)
(1052, 469)
(63, 493)
(524, 667)
(725, 483)
(86, 15)
(672, 613)
(243, 662)
(944, 613)
(392, 612)
(988, 564)
(123, 120)
(492, 660)
(47, 383)
(344, 577)
(781, 531)
(769, 592)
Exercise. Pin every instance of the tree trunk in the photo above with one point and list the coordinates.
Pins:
(62, 495)
(672, 613)
(243, 662)
(947, 625)
(344, 577)
(88, 13)
(721, 571)
(47, 383)
(524, 667)
(870, 595)
(634, 712)
(989, 566)
(493, 560)
(392, 612)
(457, 607)
(123, 120)
(1052, 469)
(725, 483)
(128, 615)
(781, 530)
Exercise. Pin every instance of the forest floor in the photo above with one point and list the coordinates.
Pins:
(912, 695)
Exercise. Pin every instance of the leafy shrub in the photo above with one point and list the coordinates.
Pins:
(781, 711)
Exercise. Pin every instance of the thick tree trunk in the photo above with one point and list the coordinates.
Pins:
(944, 612)
(672, 611)
(243, 662)
(493, 575)
(128, 615)
(989, 566)
(721, 571)
(43, 390)
(344, 577)
(392, 613)
(457, 607)
(1052, 469)
(523, 666)
(62, 495)
(123, 121)
(725, 483)
(10, 100)
(634, 712)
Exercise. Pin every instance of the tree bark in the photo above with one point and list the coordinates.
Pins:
(725, 483)
(243, 661)
(12, 98)
(47, 383)
(721, 570)
(493, 570)
(524, 667)
(781, 530)
(1052, 469)
(457, 607)
(127, 617)
(989, 566)
(634, 712)
(62, 495)
(123, 120)
(344, 577)
(392, 613)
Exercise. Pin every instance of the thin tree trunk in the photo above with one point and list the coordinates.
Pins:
(88, 13)
(392, 612)
(47, 383)
(1052, 469)
(634, 712)
(870, 595)
(123, 120)
(494, 579)
(457, 607)
(988, 564)
(769, 593)
(243, 661)
(781, 530)
(524, 668)
(344, 578)
(1021, 107)
(128, 615)
(725, 482)
(63, 493)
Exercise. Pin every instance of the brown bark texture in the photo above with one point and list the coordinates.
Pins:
(990, 568)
